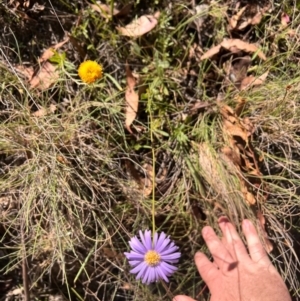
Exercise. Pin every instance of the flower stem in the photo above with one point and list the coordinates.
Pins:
(153, 167)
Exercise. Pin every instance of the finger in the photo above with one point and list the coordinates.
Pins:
(256, 249)
(217, 249)
(182, 298)
(232, 241)
(207, 269)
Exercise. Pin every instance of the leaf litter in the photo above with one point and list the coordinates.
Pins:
(47, 73)
(233, 45)
(235, 155)
(131, 98)
(140, 26)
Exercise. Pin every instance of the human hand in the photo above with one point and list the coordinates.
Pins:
(234, 275)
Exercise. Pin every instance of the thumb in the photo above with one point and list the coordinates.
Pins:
(182, 298)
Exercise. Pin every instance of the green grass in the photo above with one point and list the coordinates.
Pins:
(72, 183)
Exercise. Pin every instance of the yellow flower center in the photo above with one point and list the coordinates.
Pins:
(152, 258)
(90, 71)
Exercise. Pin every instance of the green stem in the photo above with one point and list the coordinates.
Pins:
(153, 170)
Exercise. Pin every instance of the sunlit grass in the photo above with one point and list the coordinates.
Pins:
(75, 180)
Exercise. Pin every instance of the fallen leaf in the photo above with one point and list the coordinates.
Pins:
(240, 105)
(45, 77)
(48, 53)
(41, 79)
(233, 45)
(235, 18)
(251, 81)
(233, 155)
(140, 26)
(258, 16)
(42, 112)
(250, 199)
(132, 99)
(25, 71)
(255, 20)
(211, 52)
(104, 10)
(235, 130)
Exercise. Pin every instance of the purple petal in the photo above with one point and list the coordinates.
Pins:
(134, 263)
(163, 245)
(148, 275)
(148, 240)
(143, 271)
(137, 246)
(139, 268)
(134, 256)
(170, 257)
(169, 250)
(161, 274)
(167, 268)
(145, 239)
(160, 240)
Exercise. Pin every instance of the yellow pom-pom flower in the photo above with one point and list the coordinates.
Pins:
(90, 71)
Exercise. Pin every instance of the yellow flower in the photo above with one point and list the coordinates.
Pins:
(90, 71)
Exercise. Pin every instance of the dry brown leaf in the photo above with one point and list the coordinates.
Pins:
(104, 10)
(42, 112)
(235, 18)
(48, 53)
(211, 52)
(250, 198)
(251, 81)
(241, 102)
(45, 77)
(26, 71)
(233, 45)
(257, 18)
(232, 155)
(235, 130)
(42, 79)
(140, 26)
(132, 99)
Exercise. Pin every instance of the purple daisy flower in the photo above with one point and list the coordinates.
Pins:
(152, 261)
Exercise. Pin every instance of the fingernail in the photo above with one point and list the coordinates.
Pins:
(205, 231)
(246, 224)
(223, 219)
